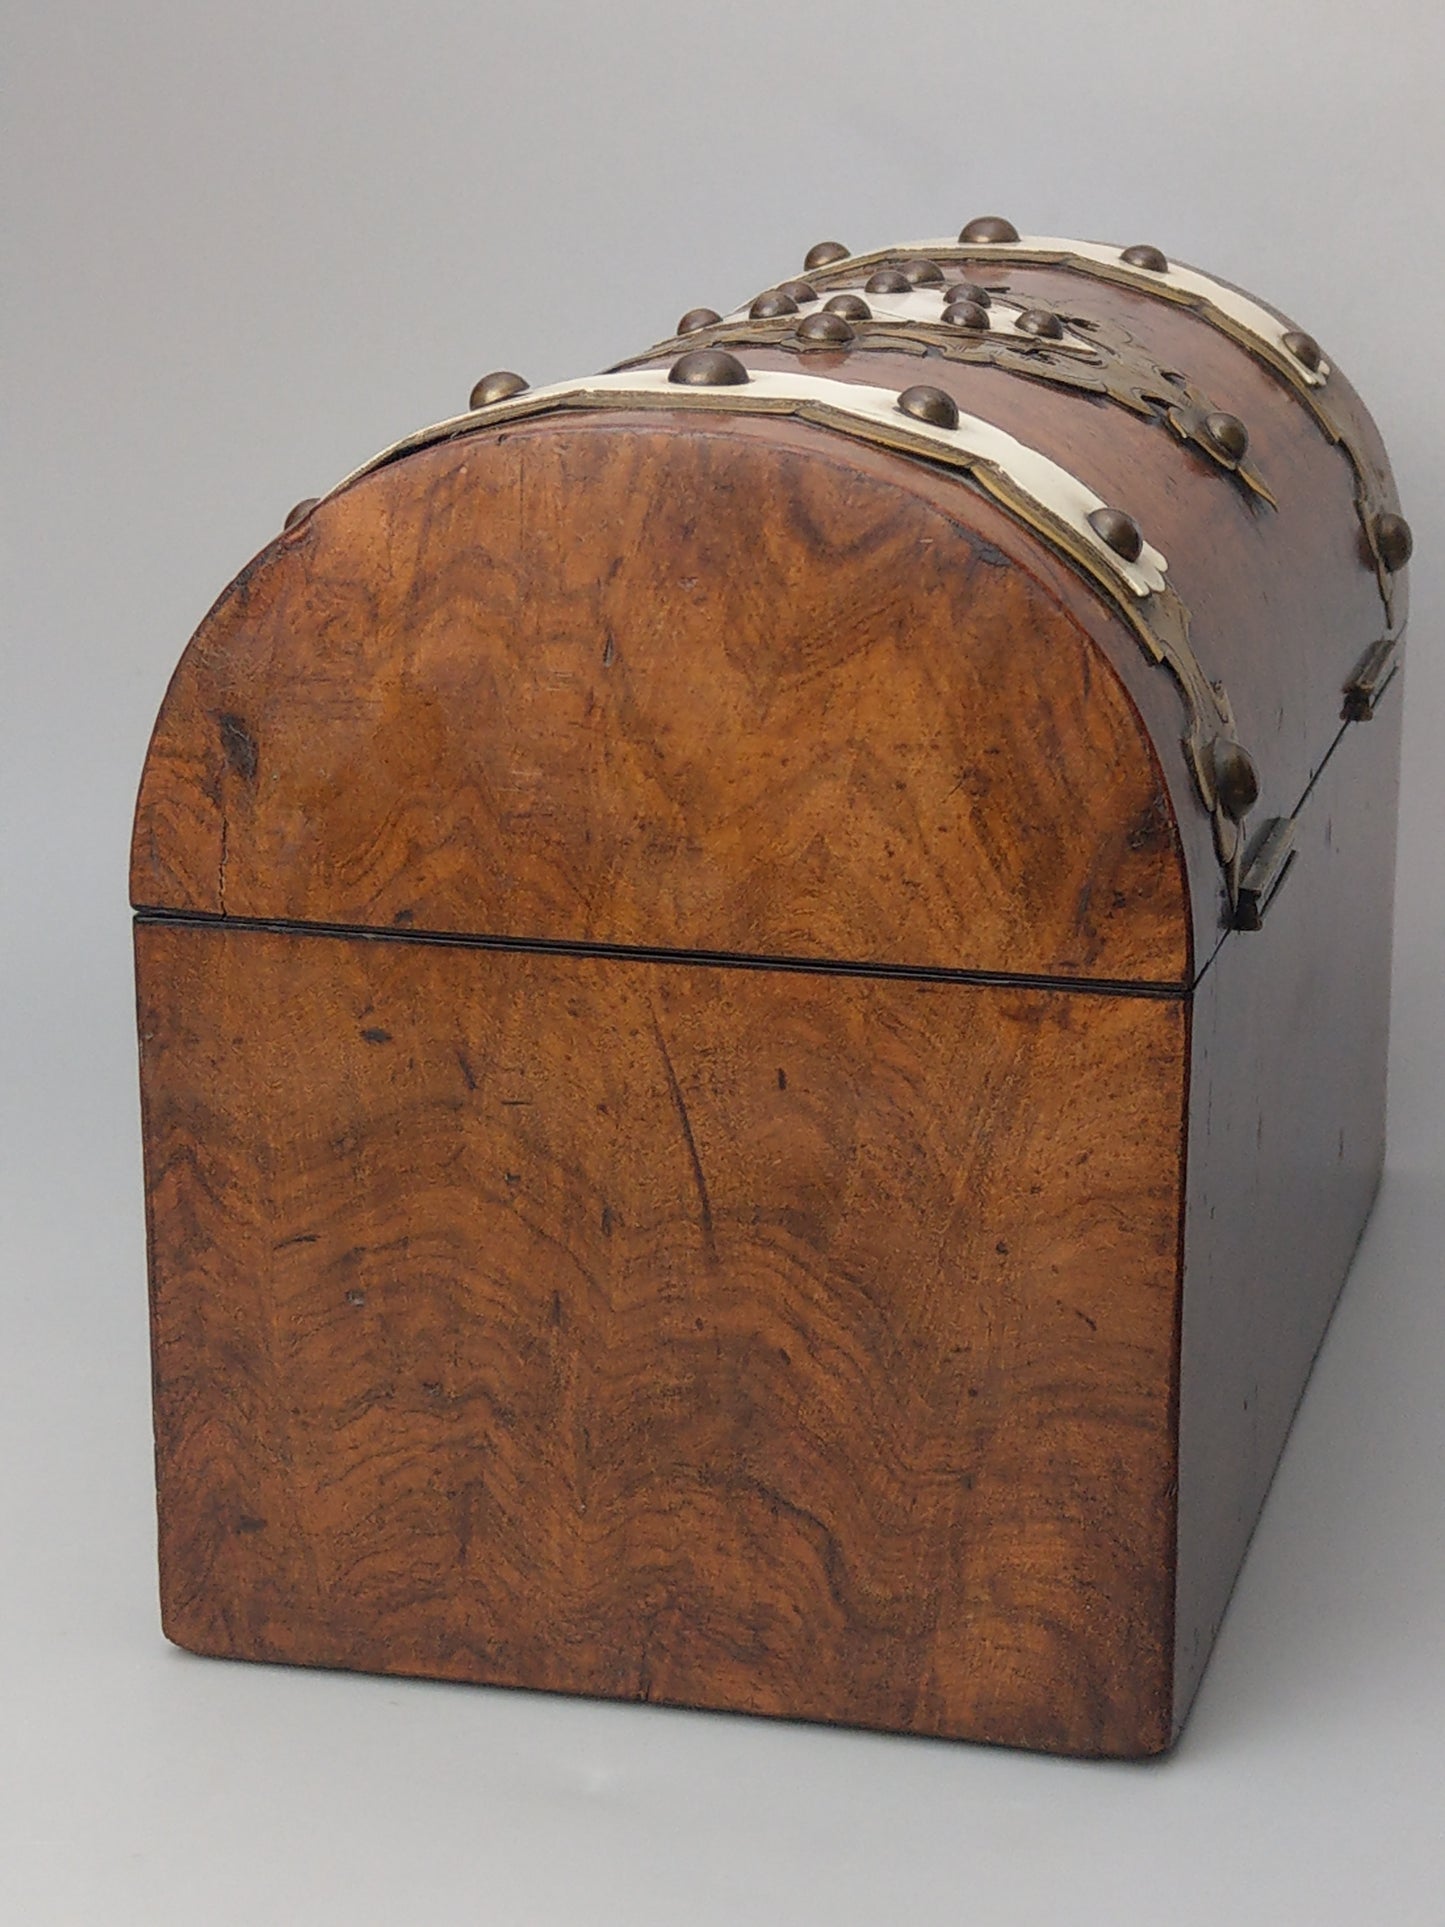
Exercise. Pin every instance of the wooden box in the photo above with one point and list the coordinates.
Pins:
(763, 991)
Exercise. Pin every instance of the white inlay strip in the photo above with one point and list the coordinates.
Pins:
(1247, 315)
(1043, 481)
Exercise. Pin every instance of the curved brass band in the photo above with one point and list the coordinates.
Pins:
(1372, 493)
(1139, 590)
(1095, 358)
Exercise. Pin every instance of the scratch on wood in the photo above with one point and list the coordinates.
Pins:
(239, 745)
(222, 860)
(709, 1239)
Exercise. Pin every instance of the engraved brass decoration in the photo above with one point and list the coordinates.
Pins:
(1093, 357)
(1297, 358)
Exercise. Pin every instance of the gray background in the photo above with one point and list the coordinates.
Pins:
(247, 247)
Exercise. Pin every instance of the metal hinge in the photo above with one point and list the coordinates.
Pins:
(1268, 865)
(1373, 674)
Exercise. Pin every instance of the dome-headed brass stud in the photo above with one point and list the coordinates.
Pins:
(696, 318)
(919, 272)
(966, 314)
(988, 230)
(500, 385)
(968, 291)
(1119, 532)
(1144, 256)
(707, 368)
(1394, 543)
(823, 254)
(887, 281)
(799, 291)
(929, 405)
(1041, 322)
(300, 512)
(1228, 434)
(1236, 780)
(1304, 348)
(852, 307)
(771, 304)
(825, 329)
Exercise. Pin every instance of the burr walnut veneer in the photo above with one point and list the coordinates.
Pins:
(736, 1111)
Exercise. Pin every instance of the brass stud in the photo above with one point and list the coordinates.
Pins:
(707, 368)
(774, 302)
(988, 230)
(968, 291)
(922, 273)
(500, 385)
(300, 512)
(929, 405)
(1119, 532)
(1394, 543)
(800, 291)
(887, 281)
(852, 307)
(966, 314)
(1041, 322)
(1236, 780)
(823, 254)
(1228, 434)
(1304, 348)
(1146, 257)
(696, 318)
(827, 329)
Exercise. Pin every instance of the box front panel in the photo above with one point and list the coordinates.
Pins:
(793, 1342)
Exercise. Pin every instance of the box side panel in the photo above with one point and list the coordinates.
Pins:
(1286, 1144)
(797, 1343)
(721, 686)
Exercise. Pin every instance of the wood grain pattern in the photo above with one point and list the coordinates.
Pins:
(727, 686)
(790, 1342)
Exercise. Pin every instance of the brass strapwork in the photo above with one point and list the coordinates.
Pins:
(1371, 677)
(1289, 352)
(1269, 863)
(978, 324)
